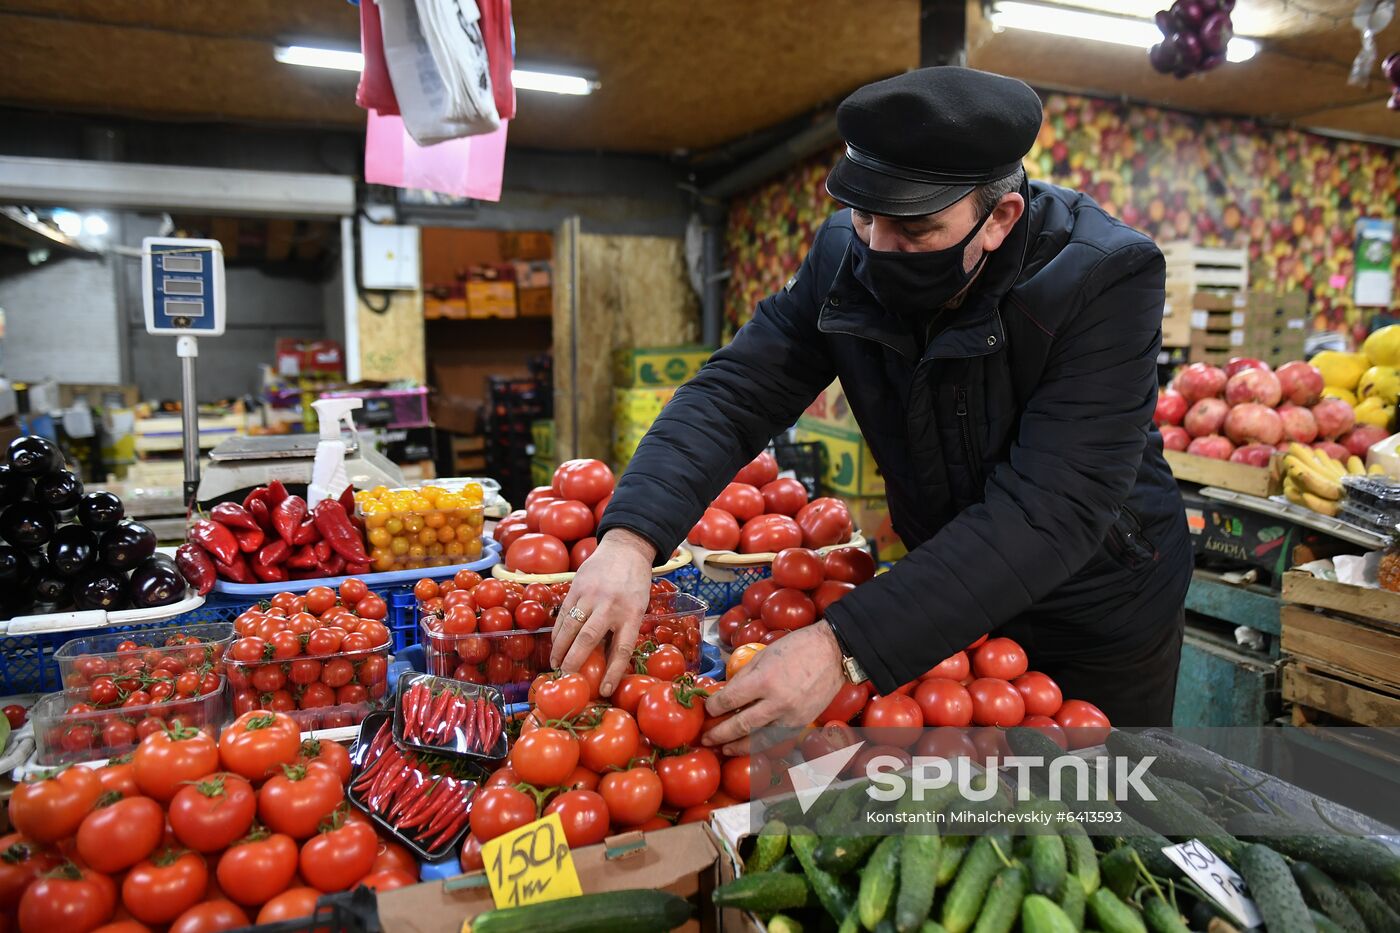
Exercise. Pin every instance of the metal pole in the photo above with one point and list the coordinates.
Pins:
(187, 349)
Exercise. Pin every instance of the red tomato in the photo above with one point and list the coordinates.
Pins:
(335, 859)
(861, 764)
(372, 607)
(255, 871)
(292, 904)
(498, 810)
(717, 530)
(666, 663)
(1084, 723)
(769, 533)
(567, 520)
(990, 742)
(759, 472)
(772, 635)
(750, 633)
(690, 778)
(730, 622)
(756, 594)
(1048, 727)
(954, 667)
(53, 807)
(996, 703)
(496, 619)
(630, 690)
(671, 716)
(581, 551)
(1041, 694)
(211, 917)
(611, 744)
(295, 803)
(539, 492)
(21, 861)
(164, 761)
(741, 500)
(593, 668)
(824, 522)
(115, 837)
(746, 777)
(788, 610)
(510, 532)
(560, 696)
(388, 879)
(259, 744)
(584, 814)
(828, 592)
(588, 481)
(1001, 658)
(849, 565)
(798, 568)
(159, 889)
(946, 742)
(209, 815)
(537, 554)
(534, 512)
(944, 702)
(74, 902)
(323, 753)
(545, 757)
(897, 717)
(601, 507)
(977, 644)
(850, 699)
(784, 496)
(633, 796)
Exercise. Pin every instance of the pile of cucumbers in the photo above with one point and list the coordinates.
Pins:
(805, 872)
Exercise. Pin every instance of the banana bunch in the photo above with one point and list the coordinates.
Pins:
(1313, 479)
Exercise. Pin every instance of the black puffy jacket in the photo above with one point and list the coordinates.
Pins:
(1020, 460)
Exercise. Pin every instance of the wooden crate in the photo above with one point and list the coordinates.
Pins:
(1377, 607)
(1207, 471)
(1204, 267)
(1342, 644)
(1315, 689)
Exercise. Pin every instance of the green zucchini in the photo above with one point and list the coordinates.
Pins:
(1042, 915)
(1049, 864)
(768, 847)
(1082, 860)
(634, 911)
(842, 854)
(1197, 770)
(833, 897)
(1112, 915)
(1162, 917)
(1338, 855)
(1120, 871)
(1072, 899)
(1374, 911)
(964, 899)
(954, 849)
(877, 881)
(764, 893)
(1002, 905)
(919, 857)
(1322, 894)
(1273, 890)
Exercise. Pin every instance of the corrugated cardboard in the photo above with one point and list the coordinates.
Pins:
(684, 860)
(657, 366)
(491, 299)
(850, 468)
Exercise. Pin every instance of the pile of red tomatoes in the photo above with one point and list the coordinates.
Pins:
(554, 533)
(803, 584)
(760, 513)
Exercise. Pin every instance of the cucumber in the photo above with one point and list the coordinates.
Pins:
(764, 893)
(1322, 894)
(1042, 915)
(849, 806)
(950, 858)
(1376, 913)
(833, 897)
(782, 923)
(1174, 817)
(931, 926)
(1083, 861)
(1187, 792)
(1162, 917)
(1391, 896)
(788, 863)
(634, 911)
(1071, 899)
(1148, 845)
(964, 898)
(1112, 915)
(1274, 891)
(1197, 770)
(1120, 872)
(1002, 905)
(1032, 743)
(919, 857)
(1049, 864)
(842, 854)
(768, 847)
(1338, 855)
(1324, 923)
(850, 923)
(877, 882)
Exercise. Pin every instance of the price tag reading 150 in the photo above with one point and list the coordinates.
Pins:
(1217, 879)
(531, 864)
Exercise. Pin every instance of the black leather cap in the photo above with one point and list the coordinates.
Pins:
(919, 142)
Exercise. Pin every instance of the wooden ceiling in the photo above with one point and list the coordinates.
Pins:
(679, 77)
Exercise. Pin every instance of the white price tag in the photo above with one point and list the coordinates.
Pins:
(1220, 881)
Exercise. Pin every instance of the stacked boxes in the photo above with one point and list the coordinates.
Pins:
(644, 379)
(1191, 270)
(1256, 324)
(542, 460)
(633, 411)
(513, 407)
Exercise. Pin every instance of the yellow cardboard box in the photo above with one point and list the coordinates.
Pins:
(541, 471)
(658, 366)
(832, 408)
(490, 299)
(850, 467)
(871, 514)
(542, 436)
(639, 407)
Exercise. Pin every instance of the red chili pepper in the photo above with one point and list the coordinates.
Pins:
(216, 539)
(306, 533)
(196, 566)
(273, 554)
(276, 492)
(288, 516)
(302, 558)
(347, 500)
(238, 571)
(460, 815)
(470, 738)
(426, 807)
(270, 574)
(483, 726)
(355, 569)
(257, 495)
(234, 516)
(333, 566)
(250, 541)
(261, 514)
(335, 527)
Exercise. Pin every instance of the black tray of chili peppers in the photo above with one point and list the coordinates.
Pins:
(442, 716)
(424, 801)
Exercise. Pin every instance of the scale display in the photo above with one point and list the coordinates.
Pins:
(182, 286)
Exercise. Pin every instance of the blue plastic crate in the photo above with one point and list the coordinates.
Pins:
(723, 595)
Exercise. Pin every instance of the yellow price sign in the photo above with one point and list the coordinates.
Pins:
(531, 864)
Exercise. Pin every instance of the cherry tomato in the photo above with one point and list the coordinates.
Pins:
(995, 703)
(496, 619)
(1001, 658)
(372, 607)
(353, 590)
(797, 568)
(333, 860)
(584, 814)
(545, 757)
(759, 472)
(769, 533)
(337, 672)
(633, 796)
(741, 500)
(498, 810)
(717, 530)
(849, 565)
(1084, 723)
(256, 870)
(161, 888)
(953, 667)
(897, 718)
(850, 699)
(1041, 694)
(688, 778)
(789, 610)
(531, 615)
(944, 702)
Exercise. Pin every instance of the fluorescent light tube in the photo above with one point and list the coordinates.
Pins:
(1099, 27)
(524, 79)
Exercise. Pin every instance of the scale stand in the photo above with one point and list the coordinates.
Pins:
(187, 349)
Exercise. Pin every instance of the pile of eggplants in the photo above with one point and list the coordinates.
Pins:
(62, 548)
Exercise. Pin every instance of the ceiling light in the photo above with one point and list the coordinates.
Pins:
(95, 225)
(68, 223)
(551, 82)
(524, 79)
(1101, 27)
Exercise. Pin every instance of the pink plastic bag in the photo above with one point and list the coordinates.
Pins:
(469, 167)
(375, 91)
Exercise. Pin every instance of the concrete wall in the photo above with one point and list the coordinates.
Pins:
(61, 319)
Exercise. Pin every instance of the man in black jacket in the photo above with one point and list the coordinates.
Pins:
(997, 342)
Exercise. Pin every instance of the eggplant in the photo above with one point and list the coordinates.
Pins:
(100, 511)
(73, 550)
(51, 587)
(33, 455)
(15, 569)
(14, 486)
(126, 545)
(27, 525)
(156, 582)
(100, 589)
(59, 490)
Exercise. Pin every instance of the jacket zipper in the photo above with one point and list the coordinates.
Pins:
(965, 428)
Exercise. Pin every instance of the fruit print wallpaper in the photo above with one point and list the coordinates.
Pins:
(1292, 197)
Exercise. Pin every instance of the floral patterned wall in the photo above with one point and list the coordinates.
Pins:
(1292, 197)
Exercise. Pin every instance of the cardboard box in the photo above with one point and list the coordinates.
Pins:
(491, 299)
(296, 357)
(453, 309)
(657, 366)
(541, 471)
(458, 414)
(871, 516)
(542, 436)
(850, 466)
(831, 407)
(536, 274)
(639, 407)
(535, 302)
(99, 396)
(684, 860)
(527, 244)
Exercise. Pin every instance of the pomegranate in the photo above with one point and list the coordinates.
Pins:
(1198, 381)
(1252, 423)
(1332, 449)
(1257, 455)
(1171, 407)
(1360, 438)
(1298, 424)
(1334, 418)
(1206, 417)
(1212, 445)
(1174, 437)
(1239, 364)
(1253, 385)
(1301, 383)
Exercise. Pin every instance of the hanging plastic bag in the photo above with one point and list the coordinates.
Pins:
(466, 168)
(437, 61)
(500, 50)
(375, 91)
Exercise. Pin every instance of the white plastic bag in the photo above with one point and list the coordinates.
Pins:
(437, 60)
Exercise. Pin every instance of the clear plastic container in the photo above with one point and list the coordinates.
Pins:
(82, 660)
(677, 619)
(62, 738)
(326, 689)
(465, 727)
(1378, 492)
(506, 660)
(411, 529)
(1364, 516)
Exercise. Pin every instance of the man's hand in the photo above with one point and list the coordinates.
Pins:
(611, 590)
(786, 684)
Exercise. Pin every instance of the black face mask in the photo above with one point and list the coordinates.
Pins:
(914, 285)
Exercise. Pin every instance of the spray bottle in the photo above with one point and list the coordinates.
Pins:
(328, 479)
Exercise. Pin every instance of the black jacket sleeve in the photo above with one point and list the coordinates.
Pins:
(1046, 511)
(719, 421)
